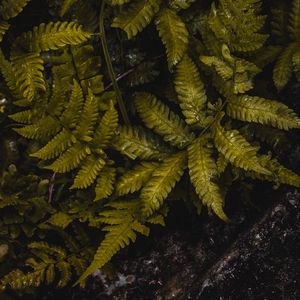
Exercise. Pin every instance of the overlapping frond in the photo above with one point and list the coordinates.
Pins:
(121, 230)
(135, 142)
(4, 26)
(190, 90)
(203, 173)
(294, 21)
(174, 35)
(134, 179)
(263, 111)
(105, 183)
(283, 68)
(137, 17)
(245, 36)
(11, 8)
(162, 181)
(164, 122)
(237, 150)
(88, 172)
(66, 6)
(52, 36)
(28, 70)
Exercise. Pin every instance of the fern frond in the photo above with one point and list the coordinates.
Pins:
(11, 8)
(4, 26)
(119, 235)
(283, 68)
(107, 128)
(60, 219)
(164, 122)
(105, 183)
(294, 21)
(28, 70)
(263, 111)
(204, 174)
(237, 150)
(66, 6)
(70, 159)
(137, 17)
(88, 172)
(190, 90)
(65, 273)
(53, 36)
(43, 128)
(134, 179)
(279, 22)
(136, 142)
(58, 144)
(85, 127)
(174, 35)
(162, 181)
(74, 106)
(23, 117)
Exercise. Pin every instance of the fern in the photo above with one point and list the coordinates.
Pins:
(135, 142)
(162, 120)
(134, 179)
(122, 226)
(237, 150)
(29, 72)
(190, 90)
(105, 183)
(53, 36)
(4, 26)
(137, 17)
(174, 35)
(283, 67)
(294, 21)
(162, 181)
(203, 173)
(11, 8)
(263, 111)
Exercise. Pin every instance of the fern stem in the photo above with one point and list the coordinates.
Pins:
(109, 65)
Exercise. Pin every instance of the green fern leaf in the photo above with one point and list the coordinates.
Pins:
(164, 122)
(85, 127)
(70, 159)
(65, 273)
(28, 70)
(23, 117)
(105, 183)
(43, 128)
(173, 34)
(53, 36)
(134, 179)
(71, 114)
(283, 68)
(56, 146)
(203, 173)
(237, 150)
(89, 171)
(162, 182)
(11, 8)
(119, 234)
(60, 219)
(107, 128)
(137, 17)
(136, 142)
(263, 111)
(4, 26)
(190, 90)
(294, 21)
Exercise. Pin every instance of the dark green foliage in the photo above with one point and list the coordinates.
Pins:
(104, 152)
